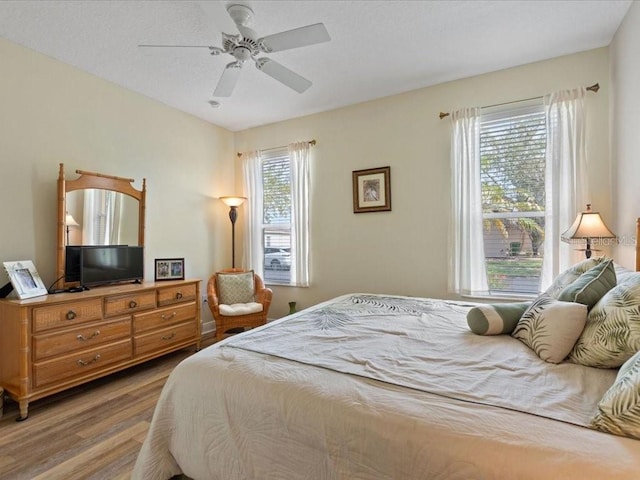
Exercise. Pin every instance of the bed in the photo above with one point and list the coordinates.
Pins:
(368, 386)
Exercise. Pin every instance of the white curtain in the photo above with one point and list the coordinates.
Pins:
(467, 273)
(565, 177)
(299, 156)
(252, 189)
(102, 217)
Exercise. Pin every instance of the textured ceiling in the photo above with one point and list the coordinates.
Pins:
(377, 48)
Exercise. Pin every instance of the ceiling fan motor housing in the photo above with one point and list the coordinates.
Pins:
(240, 14)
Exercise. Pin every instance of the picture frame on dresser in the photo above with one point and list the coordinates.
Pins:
(25, 279)
(169, 269)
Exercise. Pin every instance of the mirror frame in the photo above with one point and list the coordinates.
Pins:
(100, 181)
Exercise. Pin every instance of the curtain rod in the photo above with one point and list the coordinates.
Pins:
(593, 88)
(311, 142)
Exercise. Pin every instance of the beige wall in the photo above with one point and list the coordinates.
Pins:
(405, 251)
(625, 133)
(54, 113)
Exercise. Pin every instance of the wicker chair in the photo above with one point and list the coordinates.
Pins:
(226, 322)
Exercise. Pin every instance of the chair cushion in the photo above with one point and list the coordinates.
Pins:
(235, 287)
(237, 309)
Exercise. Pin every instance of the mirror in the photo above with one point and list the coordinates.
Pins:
(101, 217)
(97, 209)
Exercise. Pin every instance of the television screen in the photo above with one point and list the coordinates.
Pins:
(72, 264)
(110, 264)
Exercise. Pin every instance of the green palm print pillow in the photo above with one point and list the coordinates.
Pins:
(550, 327)
(612, 333)
(619, 410)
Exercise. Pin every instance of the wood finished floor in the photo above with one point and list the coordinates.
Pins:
(89, 432)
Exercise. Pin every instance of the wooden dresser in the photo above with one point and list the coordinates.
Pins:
(54, 342)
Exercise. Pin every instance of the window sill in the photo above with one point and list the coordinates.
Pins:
(272, 284)
(503, 297)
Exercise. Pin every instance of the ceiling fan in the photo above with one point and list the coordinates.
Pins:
(248, 45)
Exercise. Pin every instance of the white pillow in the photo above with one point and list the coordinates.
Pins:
(550, 327)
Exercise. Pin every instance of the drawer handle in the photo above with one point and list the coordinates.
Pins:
(164, 317)
(71, 315)
(93, 335)
(133, 304)
(82, 363)
(179, 295)
(168, 337)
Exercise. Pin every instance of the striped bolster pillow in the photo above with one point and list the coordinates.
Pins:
(496, 318)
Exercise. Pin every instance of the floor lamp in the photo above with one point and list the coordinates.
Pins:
(233, 202)
(69, 221)
(587, 226)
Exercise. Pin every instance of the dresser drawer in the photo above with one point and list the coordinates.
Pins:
(118, 305)
(80, 363)
(66, 314)
(182, 293)
(51, 344)
(163, 317)
(165, 338)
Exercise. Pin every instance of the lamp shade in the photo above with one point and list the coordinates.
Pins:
(70, 221)
(587, 225)
(233, 200)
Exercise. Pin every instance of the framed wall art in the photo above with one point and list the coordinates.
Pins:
(169, 269)
(372, 190)
(25, 279)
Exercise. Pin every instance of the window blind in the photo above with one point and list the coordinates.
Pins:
(512, 156)
(276, 231)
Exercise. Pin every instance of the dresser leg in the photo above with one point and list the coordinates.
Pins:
(24, 411)
(1, 401)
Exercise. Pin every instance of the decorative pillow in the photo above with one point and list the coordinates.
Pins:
(612, 333)
(495, 319)
(571, 275)
(591, 285)
(235, 287)
(622, 273)
(619, 410)
(550, 327)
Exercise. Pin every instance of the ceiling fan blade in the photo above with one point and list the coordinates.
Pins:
(228, 80)
(176, 46)
(298, 37)
(283, 74)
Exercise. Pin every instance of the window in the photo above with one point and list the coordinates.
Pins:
(276, 182)
(512, 176)
(276, 216)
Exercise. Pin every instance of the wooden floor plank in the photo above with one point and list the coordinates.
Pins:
(93, 431)
(66, 469)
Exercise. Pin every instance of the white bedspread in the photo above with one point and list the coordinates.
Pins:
(379, 387)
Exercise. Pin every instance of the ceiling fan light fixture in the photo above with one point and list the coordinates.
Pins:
(242, 54)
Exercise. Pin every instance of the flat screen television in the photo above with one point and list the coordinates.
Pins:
(93, 265)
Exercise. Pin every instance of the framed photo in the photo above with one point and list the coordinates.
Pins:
(25, 279)
(372, 190)
(169, 269)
